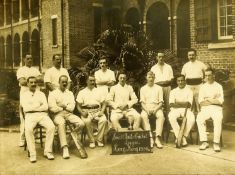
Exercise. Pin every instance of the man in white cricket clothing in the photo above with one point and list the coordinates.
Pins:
(211, 99)
(151, 98)
(35, 107)
(193, 71)
(180, 99)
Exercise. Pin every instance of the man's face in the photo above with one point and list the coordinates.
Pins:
(122, 79)
(63, 83)
(57, 61)
(181, 82)
(209, 77)
(191, 56)
(91, 81)
(32, 84)
(160, 58)
(103, 64)
(150, 79)
(28, 60)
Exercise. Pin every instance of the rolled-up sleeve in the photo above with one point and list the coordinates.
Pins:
(53, 107)
(133, 100)
(71, 102)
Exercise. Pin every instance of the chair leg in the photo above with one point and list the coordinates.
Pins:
(221, 141)
(191, 137)
(41, 137)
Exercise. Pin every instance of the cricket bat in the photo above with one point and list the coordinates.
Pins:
(181, 132)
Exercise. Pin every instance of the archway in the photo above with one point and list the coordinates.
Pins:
(16, 50)
(9, 60)
(35, 47)
(183, 28)
(25, 44)
(158, 26)
(2, 52)
(132, 18)
(1, 13)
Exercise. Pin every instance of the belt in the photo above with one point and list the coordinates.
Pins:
(91, 107)
(193, 81)
(34, 111)
(164, 85)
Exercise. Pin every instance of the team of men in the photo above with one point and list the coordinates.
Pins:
(156, 99)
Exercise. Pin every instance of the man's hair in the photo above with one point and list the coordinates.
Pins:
(160, 51)
(192, 50)
(121, 72)
(53, 57)
(31, 77)
(28, 54)
(150, 73)
(103, 58)
(179, 75)
(65, 76)
(210, 69)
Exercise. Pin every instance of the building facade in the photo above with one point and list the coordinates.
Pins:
(46, 27)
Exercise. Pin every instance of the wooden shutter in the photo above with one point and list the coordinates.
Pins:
(203, 20)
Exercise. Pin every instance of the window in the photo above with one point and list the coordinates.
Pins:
(203, 20)
(224, 9)
(54, 31)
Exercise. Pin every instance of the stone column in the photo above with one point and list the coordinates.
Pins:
(20, 10)
(5, 12)
(21, 53)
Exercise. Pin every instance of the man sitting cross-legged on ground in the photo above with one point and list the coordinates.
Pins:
(181, 98)
(121, 98)
(211, 99)
(61, 104)
(35, 107)
(151, 98)
(91, 105)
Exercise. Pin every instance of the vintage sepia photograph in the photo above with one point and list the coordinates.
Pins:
(125, 87)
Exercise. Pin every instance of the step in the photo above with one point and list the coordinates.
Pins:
(229, 125)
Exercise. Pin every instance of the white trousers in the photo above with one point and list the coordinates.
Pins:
(174, 114)
(216, 114)
(60, 119)
(131, 114)
(195, 89)
(41, 118)
(159, 122)
(90, 120)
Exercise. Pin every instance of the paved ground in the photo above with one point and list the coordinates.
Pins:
(169, 160)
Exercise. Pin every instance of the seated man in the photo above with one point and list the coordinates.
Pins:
(91, 105)
(151, 98)
(181, 98)
(121, 98)
(35, 107)
(61, 103)
(210, 99)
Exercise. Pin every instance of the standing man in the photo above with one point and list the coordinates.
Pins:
(163, 77)
(105, 78)
(35, 107)
(23, 74)
(180, 99)
(194, 74)
(151, 98)
(211, 99)
(91, 105)
(121, 98)
(51, 78)
(61, 103)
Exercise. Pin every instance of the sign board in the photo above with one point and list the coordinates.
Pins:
(131, 142)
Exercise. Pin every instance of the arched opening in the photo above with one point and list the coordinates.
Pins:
(114, 18)
(2, 52)
(183, 28)
(24, 9)
(9, 59)
(16, 50)
(8, 12)
(34, 8)
(158, 26)
(25, 44)
(16, 10)
(35, 47)
(1, 13)
(132, 18)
